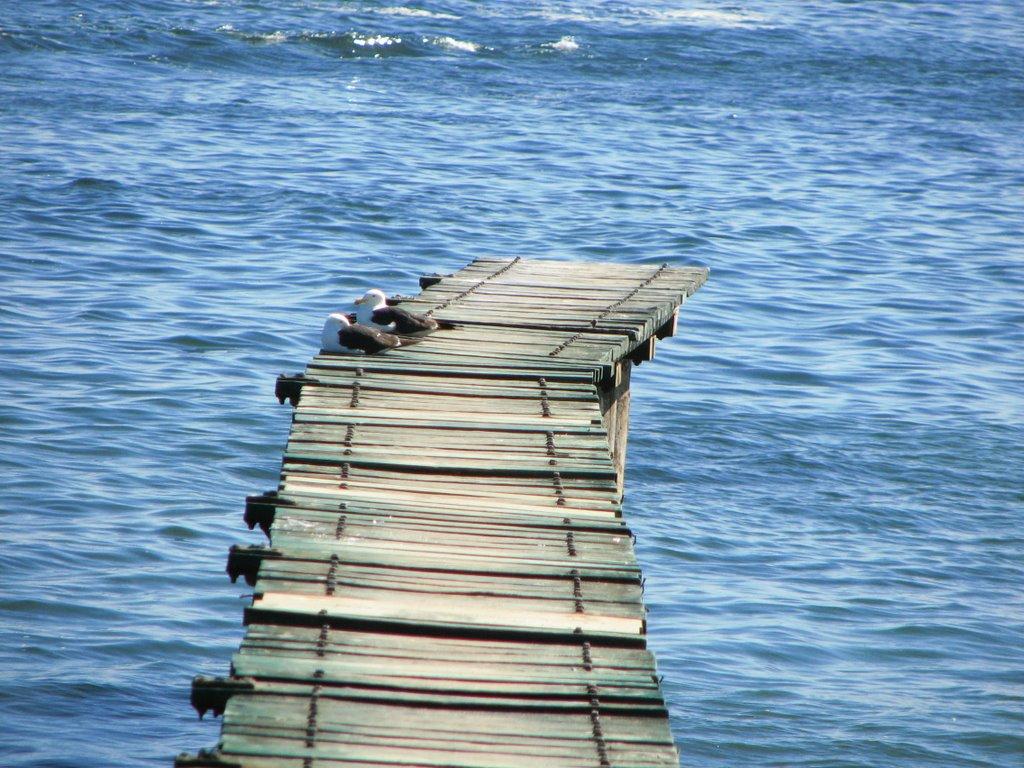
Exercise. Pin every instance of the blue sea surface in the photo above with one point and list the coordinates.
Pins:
(825, 465)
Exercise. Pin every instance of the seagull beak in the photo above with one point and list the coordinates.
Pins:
(359, 300)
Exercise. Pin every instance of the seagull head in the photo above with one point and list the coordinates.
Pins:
(374, 297)
(340, 318)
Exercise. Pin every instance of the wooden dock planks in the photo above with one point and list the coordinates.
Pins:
(449, 580)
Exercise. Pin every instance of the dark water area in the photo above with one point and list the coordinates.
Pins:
(825, 464)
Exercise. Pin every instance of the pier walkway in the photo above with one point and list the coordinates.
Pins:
(449, 580)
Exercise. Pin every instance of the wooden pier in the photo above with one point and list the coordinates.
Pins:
(449, 579)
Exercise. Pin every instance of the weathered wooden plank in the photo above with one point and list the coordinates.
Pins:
(439, 677)
(433, 353)
(434, 464)
(576, 289)
(456, 390)
(480, 408)
(499, 726)
(351, 532)
(524, 473)
(356, 590)
(449, 741)
(323, 524)
(591, 557)
(469, 544)
(635, 306)
(589, 581)
(491, 420)
(317, 640)
(531, 455)
(471, 561)
(432, 393)
(275, 578)
(432, 511)
(587, 490)
(481, 365)
(573, 492)
(358, 419)
(444, 614)
(365, 528)
(458, 750)
(325, 364)
(368, 756)
(471, 701)
(425, 440)
(594, 447)
(483, 383)
(566, 589)
(474, 503)
(529, 482)
(424, 434)
(525, 576)
(521, 500)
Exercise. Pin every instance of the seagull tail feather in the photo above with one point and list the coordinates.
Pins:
(408, 341)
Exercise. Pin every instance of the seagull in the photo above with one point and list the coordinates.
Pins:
(373, 308)
(341, 335)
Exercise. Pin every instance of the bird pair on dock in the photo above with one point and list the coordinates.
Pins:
(375, 327)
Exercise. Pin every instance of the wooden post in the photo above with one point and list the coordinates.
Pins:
(669, 328)
(614, 396)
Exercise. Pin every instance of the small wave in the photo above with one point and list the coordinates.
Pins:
(566, 44)
(269, 38)
(451, 44)
(401, 10)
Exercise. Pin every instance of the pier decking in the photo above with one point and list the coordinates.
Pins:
(449, 580)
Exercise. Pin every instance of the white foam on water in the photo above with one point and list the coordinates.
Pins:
(579, 17)
(707, 17)
(566, 44)
(375, 41)
(401, 10)
(257, 37)
(451, 44)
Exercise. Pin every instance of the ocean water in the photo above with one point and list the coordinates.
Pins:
(825, 464)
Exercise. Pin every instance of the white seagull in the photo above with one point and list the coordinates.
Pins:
(373, 308)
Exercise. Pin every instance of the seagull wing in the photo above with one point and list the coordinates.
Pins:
(405, 322)
(368, 339)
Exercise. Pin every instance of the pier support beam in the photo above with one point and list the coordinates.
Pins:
(614, 397)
